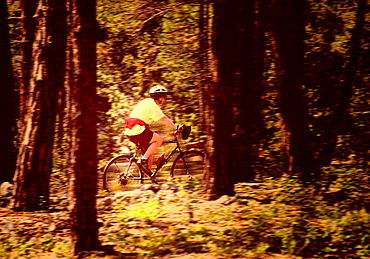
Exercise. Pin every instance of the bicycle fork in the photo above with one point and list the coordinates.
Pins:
(186, 167)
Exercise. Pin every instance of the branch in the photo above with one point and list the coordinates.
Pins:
(155, 16)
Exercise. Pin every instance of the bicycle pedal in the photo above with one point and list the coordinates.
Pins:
(123, 180)
(144, 169)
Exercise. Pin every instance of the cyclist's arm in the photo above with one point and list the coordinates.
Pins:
(167, 122)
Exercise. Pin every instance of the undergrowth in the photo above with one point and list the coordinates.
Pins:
(275, 216)
(16, 244)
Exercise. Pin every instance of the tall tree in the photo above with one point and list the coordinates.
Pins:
(219, 151)
(29, 23)
(203, 58)
(7, 101)
(340, 119)
(289, 35)
(34, 162)
(81, 97)
(250, 62)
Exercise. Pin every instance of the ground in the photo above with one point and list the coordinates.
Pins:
(148, 219)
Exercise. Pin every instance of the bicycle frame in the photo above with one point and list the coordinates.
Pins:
(124, 171)
(176, 149)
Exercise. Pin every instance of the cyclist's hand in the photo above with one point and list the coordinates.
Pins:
(184, 130)
(179, 128)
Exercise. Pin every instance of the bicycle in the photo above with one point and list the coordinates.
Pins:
(123, 173)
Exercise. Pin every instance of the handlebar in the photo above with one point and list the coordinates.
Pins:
(184, 130)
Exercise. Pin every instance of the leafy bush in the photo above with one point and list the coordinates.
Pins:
(23, 245)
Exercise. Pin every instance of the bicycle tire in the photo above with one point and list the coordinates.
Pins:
(194, 161)
(121, 175)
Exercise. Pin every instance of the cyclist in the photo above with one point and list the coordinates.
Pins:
(144, 113)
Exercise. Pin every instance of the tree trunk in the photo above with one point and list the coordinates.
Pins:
(289, 35)
(29, 23)
(34, 162)
(203, 60)
(248, 100)
(7, 101)
(341, 118)
(218, 173)
(82, 123)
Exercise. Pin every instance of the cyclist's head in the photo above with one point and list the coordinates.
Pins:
(158, 91)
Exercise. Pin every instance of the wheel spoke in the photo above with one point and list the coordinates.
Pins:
(190, 164)
(120, 174)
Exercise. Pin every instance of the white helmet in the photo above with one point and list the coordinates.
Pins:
(158, 89)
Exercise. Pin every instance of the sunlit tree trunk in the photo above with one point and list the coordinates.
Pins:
(203, 60)
(289, 35)
(220, 120)
(34, 162)
(82, 123)
(7, 101)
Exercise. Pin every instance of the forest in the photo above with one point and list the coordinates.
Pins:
(276, 92)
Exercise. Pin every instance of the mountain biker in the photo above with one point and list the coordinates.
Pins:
(144, 113)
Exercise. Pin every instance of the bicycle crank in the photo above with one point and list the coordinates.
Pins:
(123, 180)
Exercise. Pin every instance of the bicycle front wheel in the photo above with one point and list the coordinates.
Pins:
(188, 164)
(121, 174)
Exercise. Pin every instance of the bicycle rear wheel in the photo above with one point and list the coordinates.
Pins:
(121, 174)
(188, 164)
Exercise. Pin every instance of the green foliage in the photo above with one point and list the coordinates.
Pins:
(146, 44)
(146, 210)
(329, 28)
(150, 42)
(279, 216)
(141, 51)
(23, 245)
(15, 34)
(275, 216)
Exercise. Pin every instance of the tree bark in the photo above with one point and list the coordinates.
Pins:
(29, 23)
(82, 123)
(203, 59)
(341, 118)
(218, 173)
(248, 98)
(7, 101)
(34, 162)
(289, 35)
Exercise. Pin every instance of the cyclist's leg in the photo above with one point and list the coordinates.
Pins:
(142, 141)
(150, 141)
(155, 143)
